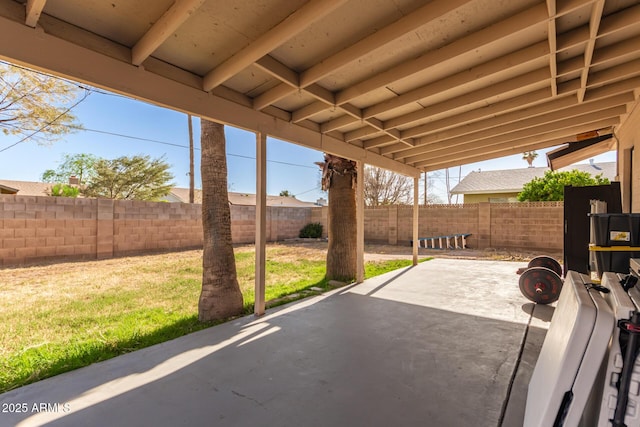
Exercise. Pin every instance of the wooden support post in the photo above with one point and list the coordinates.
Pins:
(360, 222)
(261, 222)
(415, 221)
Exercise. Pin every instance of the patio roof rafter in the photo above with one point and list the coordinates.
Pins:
(530, 127)
(33, 10)
(292, 25)
(626, 69)
(486, 70)
(597, 120)
(163, 28)
(553, 45)
(594, 24)
(492, 34)
(502, 113)
(376, 40)
(380, 85)
(79, 63)
(540, 115)
(325, 99)
(537, 142)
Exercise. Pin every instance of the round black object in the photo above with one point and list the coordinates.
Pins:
(540, 285)
(546, 262)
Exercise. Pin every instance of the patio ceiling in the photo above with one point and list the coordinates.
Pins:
(402, 84)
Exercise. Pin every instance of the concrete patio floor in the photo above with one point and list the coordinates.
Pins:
(446, 343)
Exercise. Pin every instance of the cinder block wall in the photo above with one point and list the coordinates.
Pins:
(531, 226)
(320, 214)
(40, 229)
(442, 220)
(377, 223)
(46, 228)
(149, 226)
(537, 225)
(282, 222)
(286, 222)
(243, 224)
(36, 229)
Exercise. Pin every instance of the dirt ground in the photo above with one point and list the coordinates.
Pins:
(293, 249)
(380, 252)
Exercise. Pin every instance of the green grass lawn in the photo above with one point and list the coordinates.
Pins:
(61, 317)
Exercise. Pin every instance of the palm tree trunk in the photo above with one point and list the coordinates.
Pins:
(341, 253)
(220, 297)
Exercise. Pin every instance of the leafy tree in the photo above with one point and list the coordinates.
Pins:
(137, 177)
(286, 193)
(383, 187)
(551, 186)
(37, 106)
(64, 190)
(82, 166)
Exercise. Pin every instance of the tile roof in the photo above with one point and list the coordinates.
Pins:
(512, 180)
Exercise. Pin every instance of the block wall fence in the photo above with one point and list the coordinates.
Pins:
(40, 229)
(531, 226)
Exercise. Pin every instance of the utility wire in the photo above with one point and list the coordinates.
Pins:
(46, 125)
(101, 92)
(71, 82)
(155, 141)
(306, 191)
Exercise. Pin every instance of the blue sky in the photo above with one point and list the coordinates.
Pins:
(148, 129)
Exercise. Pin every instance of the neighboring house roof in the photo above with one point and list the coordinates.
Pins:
(177, 195)
(513, 180)
(25, 188)
(250, 200)
(244, 199)
(7, 190)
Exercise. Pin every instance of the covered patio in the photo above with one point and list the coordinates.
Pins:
(447, 342)
(406, 85)
(410, 86)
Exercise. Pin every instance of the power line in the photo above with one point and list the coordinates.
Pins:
(71, 82)
(138, 138)
(47, 124)
(155, 141)
(101, 92)
(306, 191)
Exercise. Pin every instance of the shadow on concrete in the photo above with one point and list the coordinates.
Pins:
(542, 311)
(390, 280)
(515, 406)
(345, 359)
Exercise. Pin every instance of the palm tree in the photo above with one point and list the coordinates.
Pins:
(339, 177)
(529, 156)
(220, 296)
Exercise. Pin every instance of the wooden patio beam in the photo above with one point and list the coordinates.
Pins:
(162, 29)
(276, 36)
